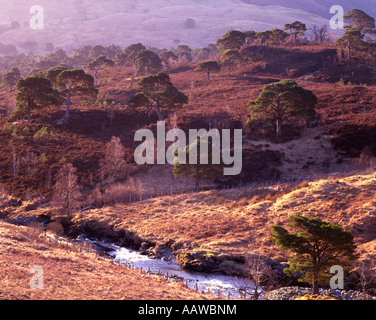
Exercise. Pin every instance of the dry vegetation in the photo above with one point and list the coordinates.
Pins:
(227, 222)
(222, 223)
(73, 274)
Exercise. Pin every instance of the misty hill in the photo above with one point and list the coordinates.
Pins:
(319, 7)
(160, 23)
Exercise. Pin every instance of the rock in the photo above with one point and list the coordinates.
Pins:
(292, 293)
(144, 247)
(102, 248)
(177, 245)
(200, 261)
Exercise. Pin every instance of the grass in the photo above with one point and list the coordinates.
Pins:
(73, 274)
(214, 220)
(201, 223)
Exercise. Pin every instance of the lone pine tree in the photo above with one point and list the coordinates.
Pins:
(156, 92)
(296, 29)
(76, 81)
(98, 64)
(317, 245)
(209, 67)
(35, 93)
(280, 101)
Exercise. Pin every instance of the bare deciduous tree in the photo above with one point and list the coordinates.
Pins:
(366, 276)
(15, 162)
(260, 275)
(114, 165)
(320, 33)
(29, 161)
(66, 190)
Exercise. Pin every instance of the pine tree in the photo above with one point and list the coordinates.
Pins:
(166, 57)
(203, 165)
(147, 62)
(233, 39)
(10, 78)
(157, 92)
(352, 39)
(282, 100)
(296, 29)
(76, 81)
(360, 21)
(128, 56)
(209, 67)
(98, 64)
(230, 58)
(317, 246)
(35, 93)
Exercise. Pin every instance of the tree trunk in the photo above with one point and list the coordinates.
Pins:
(96, 76)
(208, 76)
(315, 283)
(28, 110)
(279, 128)
(68, 104)
(159, 113)
(229, 70)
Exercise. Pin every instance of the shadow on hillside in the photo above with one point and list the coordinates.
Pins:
(366, 228)
(292, 62)
(97, 123)
(256, 79)
(180, 69)
(351, 140)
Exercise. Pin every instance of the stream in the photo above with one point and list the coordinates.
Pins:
(214, 284)
(218, 285)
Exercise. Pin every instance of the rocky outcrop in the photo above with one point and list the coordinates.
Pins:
(293, 293)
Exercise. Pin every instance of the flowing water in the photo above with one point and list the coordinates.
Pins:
(215, 284)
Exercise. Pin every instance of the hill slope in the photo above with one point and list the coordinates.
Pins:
(229, 223)
(157, 23)
(73, 275)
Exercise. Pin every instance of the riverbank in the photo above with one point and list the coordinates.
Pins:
(214, 231)
(73, 272)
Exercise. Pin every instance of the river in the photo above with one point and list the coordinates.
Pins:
(214, 284)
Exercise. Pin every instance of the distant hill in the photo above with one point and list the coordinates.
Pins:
(319, 7)
(160, 23)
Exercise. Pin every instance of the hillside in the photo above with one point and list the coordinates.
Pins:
(324, 168)
(155, 23)
(342, 134)
(211, 230)
(227, 222)
(73, 274)
(319, 7)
